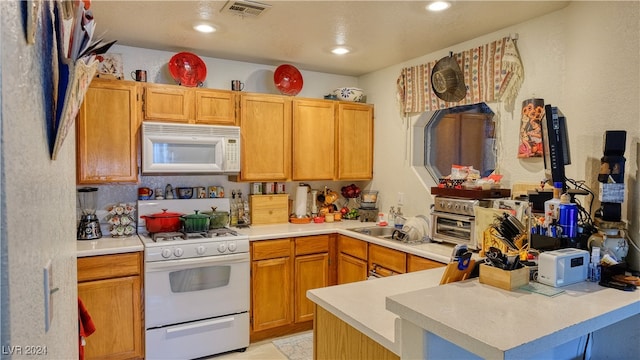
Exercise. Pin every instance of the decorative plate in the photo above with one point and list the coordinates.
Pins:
(288, 79)
(187, 69)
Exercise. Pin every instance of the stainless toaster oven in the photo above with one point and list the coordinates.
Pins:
(453, 221)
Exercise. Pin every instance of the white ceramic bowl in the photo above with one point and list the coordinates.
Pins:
(349, 94)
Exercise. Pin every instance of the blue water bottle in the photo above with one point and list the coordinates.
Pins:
(568, 218)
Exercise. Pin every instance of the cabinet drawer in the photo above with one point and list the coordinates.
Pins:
(388, 258)
(269, 209)
(312, 244)
(109, 266)
(417, 263)
(353, 247)
(270, 249)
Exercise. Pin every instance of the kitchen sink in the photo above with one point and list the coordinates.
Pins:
(377, 231)
(387, 233)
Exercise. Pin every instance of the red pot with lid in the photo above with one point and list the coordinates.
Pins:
(163, 222)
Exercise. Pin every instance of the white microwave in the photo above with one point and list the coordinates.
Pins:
(190, 149)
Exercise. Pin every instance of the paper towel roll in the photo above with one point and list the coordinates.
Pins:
(301, 201)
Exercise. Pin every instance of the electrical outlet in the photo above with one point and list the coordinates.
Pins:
(401, 199)
(48, 295)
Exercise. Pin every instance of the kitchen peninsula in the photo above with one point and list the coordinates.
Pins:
(412, 317)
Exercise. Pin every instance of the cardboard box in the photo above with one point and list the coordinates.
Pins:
(503, 279)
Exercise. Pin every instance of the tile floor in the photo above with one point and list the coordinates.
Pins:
(262, 350)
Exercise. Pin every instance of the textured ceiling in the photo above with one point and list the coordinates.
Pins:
(381, 33)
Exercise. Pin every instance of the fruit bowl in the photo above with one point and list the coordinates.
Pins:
(349, 94)
(350, 191)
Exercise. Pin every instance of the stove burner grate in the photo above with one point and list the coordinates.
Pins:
(183, 235)
(167, 236)
(222, 232)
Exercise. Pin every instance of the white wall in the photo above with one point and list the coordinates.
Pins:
(37, 204)
(584, 59)
(220, 72)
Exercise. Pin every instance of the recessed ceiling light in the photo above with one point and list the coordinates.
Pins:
(340, 50)
(204, 28)
(438, 6)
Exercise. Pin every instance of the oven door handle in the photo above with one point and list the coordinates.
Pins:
(176, 331)
(158, 266)
(455, 217)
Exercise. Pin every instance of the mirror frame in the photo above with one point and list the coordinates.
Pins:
(419, 137)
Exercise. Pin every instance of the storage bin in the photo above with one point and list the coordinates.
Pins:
(269, 209)
(503, 279)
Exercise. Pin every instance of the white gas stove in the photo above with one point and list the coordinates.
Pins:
(196, 285)
(180, 245)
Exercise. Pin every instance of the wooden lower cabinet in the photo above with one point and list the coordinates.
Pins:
(352, 260)
(417, 263)
(385, 261)
(311, 271)
(271, 284)
(110, 287)
(335, 339)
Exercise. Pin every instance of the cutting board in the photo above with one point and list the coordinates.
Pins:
(453, 274)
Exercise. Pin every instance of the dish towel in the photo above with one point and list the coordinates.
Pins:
(86, 327)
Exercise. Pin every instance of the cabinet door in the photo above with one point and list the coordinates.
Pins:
(311, 272)
(355, 141)
(215, 107)
(106, 135)
(417, 263)
(168, 103)
(115, 308)
(265, 122)
(313, 139)
(271, 293)
(351, 269)
(390, 259)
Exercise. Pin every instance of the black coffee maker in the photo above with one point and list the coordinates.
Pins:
(89, 227)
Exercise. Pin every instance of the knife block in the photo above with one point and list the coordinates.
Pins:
(503, 279)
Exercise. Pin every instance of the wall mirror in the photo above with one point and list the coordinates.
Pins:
(463, 135)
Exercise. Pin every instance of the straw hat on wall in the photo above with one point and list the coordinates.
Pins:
(447, 80)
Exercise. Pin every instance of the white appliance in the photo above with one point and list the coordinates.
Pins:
(196, 286)
(190, 149)
(563, 267)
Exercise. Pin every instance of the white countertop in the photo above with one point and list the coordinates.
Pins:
(362, 304)
(494, 323)
(108, 245)
(433, 251)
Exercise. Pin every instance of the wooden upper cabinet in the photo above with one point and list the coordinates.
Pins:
(106, 133)
(265, 122)
(189, 105)
(168, 103)
(215, 107)
(355, 141)
(314, 126)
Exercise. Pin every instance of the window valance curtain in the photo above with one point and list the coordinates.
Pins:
(492, 73)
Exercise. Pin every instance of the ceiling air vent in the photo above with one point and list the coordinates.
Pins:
(245, 8)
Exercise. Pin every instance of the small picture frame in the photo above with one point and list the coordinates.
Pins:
(110, 66)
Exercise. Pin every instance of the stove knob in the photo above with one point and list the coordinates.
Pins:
(200, 250)
(178, 252)
(232, 246)
(222, 247)
(166, 253)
